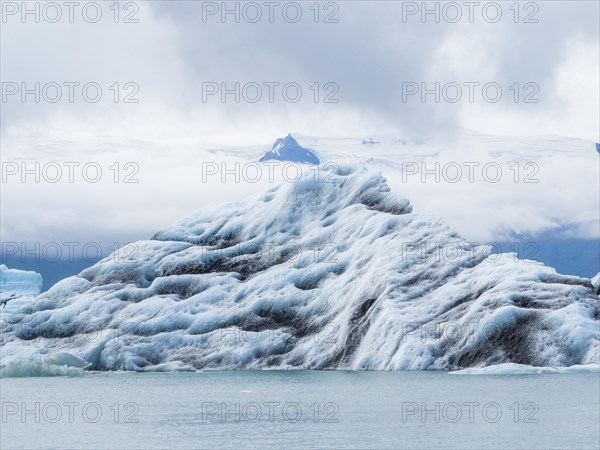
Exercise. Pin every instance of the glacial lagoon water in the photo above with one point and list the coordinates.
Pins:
(301, 409)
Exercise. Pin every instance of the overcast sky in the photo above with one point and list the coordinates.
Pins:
(366, 51)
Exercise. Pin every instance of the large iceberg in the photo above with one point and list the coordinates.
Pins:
(18, 283)
(334, 271)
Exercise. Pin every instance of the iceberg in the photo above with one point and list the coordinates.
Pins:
(18, 283)
(522, 369)
(596, 283)
(332, 272)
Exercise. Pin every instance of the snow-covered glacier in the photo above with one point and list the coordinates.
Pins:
(333, 271)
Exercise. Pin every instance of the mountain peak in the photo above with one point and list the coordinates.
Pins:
(288, 149)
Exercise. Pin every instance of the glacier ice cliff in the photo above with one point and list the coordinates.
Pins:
(334, 271)
(18, 283)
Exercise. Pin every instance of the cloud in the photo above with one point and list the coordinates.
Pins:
(368, 54)
(171, 53)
